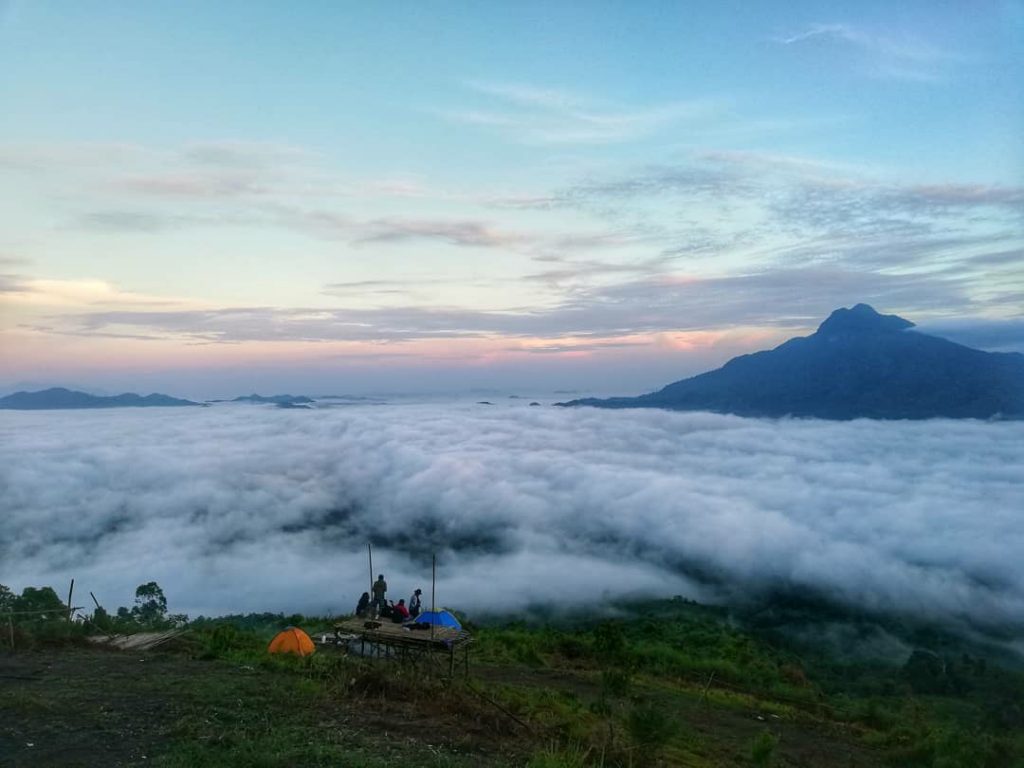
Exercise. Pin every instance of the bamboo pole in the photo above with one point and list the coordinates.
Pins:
(71, 591)
(704, 693)
(95, 600)
(433, 593)
(373, 608)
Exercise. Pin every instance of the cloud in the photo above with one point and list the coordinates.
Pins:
(461, 233)
(575, 347)
(131, 221)
(38, 158)
(228, 169)
(533, 115)
(12, 284)
(885, 54)
(787, 210)
(625, 240)
(359, 287)
(523, 505)
(246, 154)
(195, 185)
(570, 271)
(791, 298)
(79, 294)
(996, 334)
(319, 223)
(798, 182)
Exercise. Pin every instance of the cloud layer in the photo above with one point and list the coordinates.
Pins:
(245, 508)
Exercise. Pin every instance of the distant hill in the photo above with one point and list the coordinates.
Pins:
(858, 364)
(58, 398)
(274, 399)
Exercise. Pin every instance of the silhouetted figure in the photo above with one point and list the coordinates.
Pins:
(380, 591)
(414, 603)
(363, 607)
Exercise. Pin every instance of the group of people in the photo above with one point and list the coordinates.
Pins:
(380, 606)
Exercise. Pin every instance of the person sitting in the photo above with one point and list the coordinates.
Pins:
(402, 611)
(414, 603)
(363, 607)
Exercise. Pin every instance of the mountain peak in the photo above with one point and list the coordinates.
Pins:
(859, 364)
(862, 318)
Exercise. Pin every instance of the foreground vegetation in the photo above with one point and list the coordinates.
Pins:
(665, 683)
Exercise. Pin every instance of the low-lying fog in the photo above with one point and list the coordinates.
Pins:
(239, 508)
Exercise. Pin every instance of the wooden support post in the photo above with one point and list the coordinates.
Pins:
(71, 591)
(704, 693)
(369, 551)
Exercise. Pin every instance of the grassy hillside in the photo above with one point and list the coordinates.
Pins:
(666, 683)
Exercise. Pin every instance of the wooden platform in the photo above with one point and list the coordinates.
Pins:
(394, 634)
(407, 645)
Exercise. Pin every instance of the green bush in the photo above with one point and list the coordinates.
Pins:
(762, 751)
(610, 645)
(615, 683)
(573, 756)
(649, 728)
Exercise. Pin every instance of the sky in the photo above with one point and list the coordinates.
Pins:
(208, 199)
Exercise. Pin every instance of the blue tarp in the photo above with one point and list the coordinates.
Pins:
(438, 619)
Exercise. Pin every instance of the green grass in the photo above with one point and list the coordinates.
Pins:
(674, 684)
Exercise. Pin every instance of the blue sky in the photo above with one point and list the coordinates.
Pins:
(204, 197)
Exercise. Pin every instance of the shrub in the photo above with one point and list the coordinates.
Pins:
(649, 728)
(610, 645)
(762, 751)
(573, 756)
(614, 683)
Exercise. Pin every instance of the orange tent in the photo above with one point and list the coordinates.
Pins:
(291, 640)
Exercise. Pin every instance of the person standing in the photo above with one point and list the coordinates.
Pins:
(414, 603)
(380, 591)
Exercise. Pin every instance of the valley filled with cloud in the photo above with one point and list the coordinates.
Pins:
(239, 508)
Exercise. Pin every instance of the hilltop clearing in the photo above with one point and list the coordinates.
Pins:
(673, 684)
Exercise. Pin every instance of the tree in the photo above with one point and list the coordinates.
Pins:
(102, 619)
(42, 601)
(150, 604)
(7, 599)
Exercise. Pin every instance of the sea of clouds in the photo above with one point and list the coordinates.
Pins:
(239, 508)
